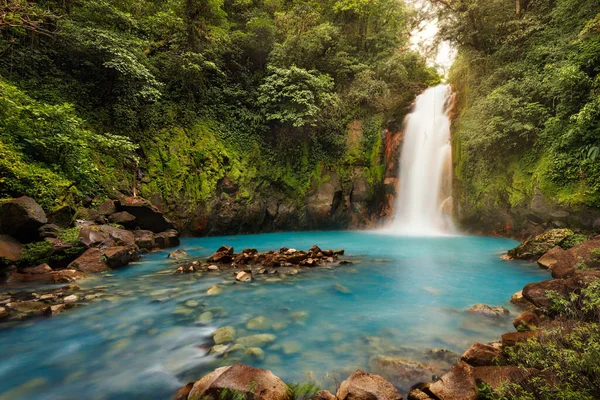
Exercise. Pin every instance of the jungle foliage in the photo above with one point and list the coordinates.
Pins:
(180, 93)
(528, 83)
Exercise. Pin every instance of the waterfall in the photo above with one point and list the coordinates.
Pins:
(424, 195)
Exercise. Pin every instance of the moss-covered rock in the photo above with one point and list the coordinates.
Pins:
(533, 249)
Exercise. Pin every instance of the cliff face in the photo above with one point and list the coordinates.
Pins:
(353, 194)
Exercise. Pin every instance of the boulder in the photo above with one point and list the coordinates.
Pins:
(27, 309)
(480, 354)
(534, 248)
(107, 208)
(537, 293)
(362, 385)
(178, 254)
(10, 249)
(144, 239)
(401, 371)
(146, 215)
(119, 256)
(167, 239)
(91, 236)
(48, 231)
(224, 335)
(457, 384)
(498, 376)
(253, 383)
(549, 260)
(260, 340)
(40, 269)
(512, 338)
(123, 218)
(323, 395)
(184, 392)
(63, 216)
(526, 321)
(244, 276)
(62, 276)
(105, 236)
(21, 218)
(488, 311)
(520, 301)
(92, 261)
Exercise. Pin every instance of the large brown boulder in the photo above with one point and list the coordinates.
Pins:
(364, 386)
(63, 216)
(146, 215)
(254, 383)
(21, 218)
(105, 236)
(144, 239)
(480, 354)
(10, 249)
(534, 248)
(537, 292)
(167, 239)
(123, 218)
(120, 256)
(457, 384)
(92, 261)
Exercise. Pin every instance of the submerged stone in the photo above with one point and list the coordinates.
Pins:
(225, 334)
(255, 352)
(260, 340)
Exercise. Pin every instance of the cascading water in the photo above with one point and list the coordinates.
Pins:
(423, 204)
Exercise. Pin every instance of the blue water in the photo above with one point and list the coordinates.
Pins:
(140, 340)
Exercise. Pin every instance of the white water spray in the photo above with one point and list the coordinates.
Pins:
(423, 203)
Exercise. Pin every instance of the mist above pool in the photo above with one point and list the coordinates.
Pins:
(150, 331)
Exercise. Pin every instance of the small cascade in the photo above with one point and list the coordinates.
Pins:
(424, 198)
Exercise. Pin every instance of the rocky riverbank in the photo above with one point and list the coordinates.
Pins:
(507, 367)
(39, 249)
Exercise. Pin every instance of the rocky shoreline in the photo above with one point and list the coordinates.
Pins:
(482, 367)
(42, 250)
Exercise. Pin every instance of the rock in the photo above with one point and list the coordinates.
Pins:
(498, 376)
(178, 254)
(10, 249)
(235, 349)
(441, 354)
(146, 215)
(167, 239)
(3, 313)
(213, 268)
(260, 340)
(537, 293)
(54, 310)
(28, 308)
(342, 289)
(254, 383)
(519, 300)
(91, 236)
(119, 256)
(107, 208)
(123, 218)
(144, 239)
(184, 392)
(48, 231)
(457, 384)
(323, 395)
(548, 260)
(258, 323)
(214, 290)
(361, 385)
(21, 218)
(40, 269)
(488, 311)
(92, 261)
(291, 348)
(218, 349)
(480, 354)
(105, 236)
(205, 318)
(224, 335)
(533, 249)
(527, 321)
(512, 338)
(255, 352)
(223, 255)
(418, 394)
(62, 216)
(401, 371)
(244, 276)
(70, 299)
